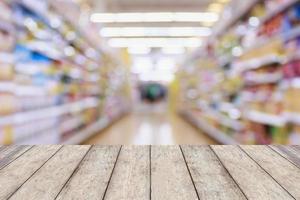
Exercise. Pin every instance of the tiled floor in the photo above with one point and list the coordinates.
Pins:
(155, 128)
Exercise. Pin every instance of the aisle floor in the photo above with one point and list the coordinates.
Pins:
(151, 129)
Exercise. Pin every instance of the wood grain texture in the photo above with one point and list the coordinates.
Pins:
(210, 177)
(144, 172)
(292, 153)
(15, 174)
(47, 182)
(252, 179)
(2, 148)
(170, 177)
(91, 179)
(131, 177)
(284, 172)
(10, 153)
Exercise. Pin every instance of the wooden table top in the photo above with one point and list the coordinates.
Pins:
(150, 172)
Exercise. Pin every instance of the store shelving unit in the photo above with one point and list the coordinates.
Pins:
(245, 7)
(55, 111)
(280, 9)
(210, 130)
(58, 90)
(93, 129)
(254, 76)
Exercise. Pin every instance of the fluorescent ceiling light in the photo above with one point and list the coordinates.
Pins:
(154, 42)
(173, 51)
(139, 50)
(155, 32)
(223, 1)
(154, 17)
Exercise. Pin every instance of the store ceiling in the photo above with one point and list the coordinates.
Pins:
(152, 19)
(150, 6)
(153, 5)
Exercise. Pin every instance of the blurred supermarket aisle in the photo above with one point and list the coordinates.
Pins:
(156, 128)
(70, 68)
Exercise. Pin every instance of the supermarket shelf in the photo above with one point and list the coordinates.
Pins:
(88, 132)
(280, 9)
(221, 118)
(293, 83)
(273, 120)
(236, 17)
(265, 118)
(45, 49)
(44, 16)
(267, 78)
(211, 131)
(293, 117)
(57, 55)
(54, 111)
(91, 130)
(257, 62)
(295, 32)
(224, 120)
(233, 124)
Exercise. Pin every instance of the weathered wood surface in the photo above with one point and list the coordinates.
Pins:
(170, 177)
(10, 153)
(252, 179)
(131, 176)
(211, 178)
(285, 173)
(292, 153)
(13, 176)
(91, 179)
(149, 172)
(47, 182)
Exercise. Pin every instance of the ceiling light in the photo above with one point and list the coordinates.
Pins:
(223, 1)
(155, 32)
(173, 51)
(154, 42)
(139, 50)
(154, 17)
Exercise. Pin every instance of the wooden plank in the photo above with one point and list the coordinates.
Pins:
(283, 171)
(296, 147)
(91, 179)
(289, 152)
(210, 177)
(15, 174)
(11, 153)
(131, 177)
(251, 178)
(170, 178)
(2, 148)
(47, 182)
